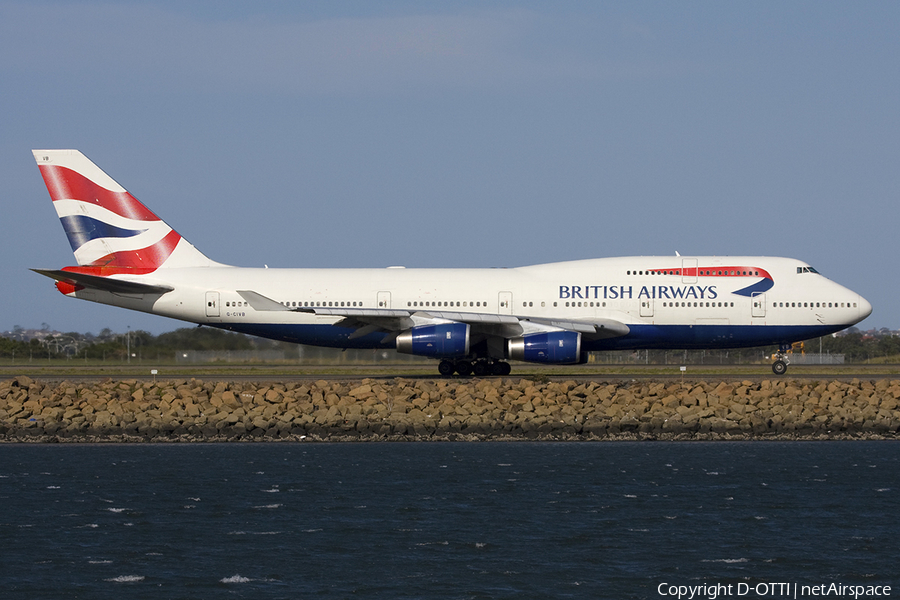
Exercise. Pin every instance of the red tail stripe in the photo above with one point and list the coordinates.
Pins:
(64, 183)
(138, 262)
(106, 271)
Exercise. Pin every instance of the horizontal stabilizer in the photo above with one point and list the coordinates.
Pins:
(107, 284)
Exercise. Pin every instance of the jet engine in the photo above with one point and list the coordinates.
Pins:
(553, 347)
(442, 340)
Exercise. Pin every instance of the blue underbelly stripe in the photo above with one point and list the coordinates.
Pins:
(654, 337)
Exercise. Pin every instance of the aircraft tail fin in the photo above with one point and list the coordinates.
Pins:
(106, 225)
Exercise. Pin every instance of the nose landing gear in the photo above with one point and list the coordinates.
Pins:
(779, 367)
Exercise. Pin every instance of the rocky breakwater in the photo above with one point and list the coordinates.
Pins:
(399, 409)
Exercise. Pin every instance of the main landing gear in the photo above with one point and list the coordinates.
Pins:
(480, 368)
(779, 367)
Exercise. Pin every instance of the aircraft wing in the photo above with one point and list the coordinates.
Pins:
(116, 286)
(489, 324)
(394, 321)
(591, 328)
(259, 302)
(600, 328)
(360, 313)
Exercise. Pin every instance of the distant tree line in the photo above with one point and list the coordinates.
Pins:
(855, 345)
(858, 347)
(108, 345)
(16, 349)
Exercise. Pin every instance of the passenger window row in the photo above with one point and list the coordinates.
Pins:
(322, 303)
(698, 304)
(813, 305)
(336, 303)
(448, 304)
(585, 304)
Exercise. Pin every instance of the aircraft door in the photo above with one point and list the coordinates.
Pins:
(212, 304)
(688, 270)
(384, 300)
(505, 303)
(758, 305)
(647, 307)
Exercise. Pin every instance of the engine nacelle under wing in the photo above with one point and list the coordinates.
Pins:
(552, 347)
(444, 340)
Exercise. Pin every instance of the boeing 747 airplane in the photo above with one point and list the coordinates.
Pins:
(471, 320)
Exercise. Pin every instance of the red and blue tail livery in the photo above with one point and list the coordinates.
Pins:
(107, 226)
(469, 320)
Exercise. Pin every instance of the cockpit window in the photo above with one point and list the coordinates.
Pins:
(806, 270)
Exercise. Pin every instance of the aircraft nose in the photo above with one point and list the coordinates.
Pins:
(865, 308)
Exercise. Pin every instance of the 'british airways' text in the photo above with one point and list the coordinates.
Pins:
(613, 292)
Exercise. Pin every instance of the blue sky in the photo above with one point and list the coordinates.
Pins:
(464, 134)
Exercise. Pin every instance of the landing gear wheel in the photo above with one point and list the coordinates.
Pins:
(481, 368)
(464, 368)
(446, 368)
(779, 367)
(500, 368)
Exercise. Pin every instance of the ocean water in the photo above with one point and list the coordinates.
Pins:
(446, 520)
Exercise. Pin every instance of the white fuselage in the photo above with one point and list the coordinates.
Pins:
(661, 299)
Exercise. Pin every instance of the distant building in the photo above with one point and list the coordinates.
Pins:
(26, 335)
